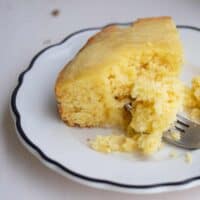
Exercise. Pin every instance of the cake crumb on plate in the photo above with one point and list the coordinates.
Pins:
(173, 154)
(175, 135)
(188, 158)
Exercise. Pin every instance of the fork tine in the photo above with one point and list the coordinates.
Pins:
(179, 126)
(180, 129)
(183, 120)
(128, 107)
(187, 121)
(182, 123)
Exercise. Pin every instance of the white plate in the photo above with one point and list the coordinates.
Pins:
(65, 150)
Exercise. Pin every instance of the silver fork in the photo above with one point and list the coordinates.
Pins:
(189, 132)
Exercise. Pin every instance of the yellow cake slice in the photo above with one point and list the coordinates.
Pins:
(138, 64)
(92, 89)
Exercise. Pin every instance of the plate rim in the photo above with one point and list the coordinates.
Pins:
(36, 150)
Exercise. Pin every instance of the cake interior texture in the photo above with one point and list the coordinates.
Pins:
(138, 64)
(192, 100)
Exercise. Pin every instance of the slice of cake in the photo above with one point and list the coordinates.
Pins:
(138, 64)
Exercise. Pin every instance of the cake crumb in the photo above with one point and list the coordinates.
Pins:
(55, 12)
(175, 135)
(188, 158)
(113, 143)
(173, 154)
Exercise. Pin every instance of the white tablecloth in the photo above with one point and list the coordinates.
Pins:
(25, 27)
